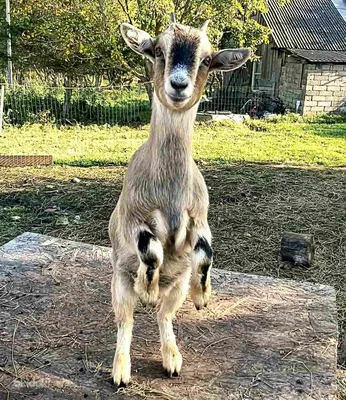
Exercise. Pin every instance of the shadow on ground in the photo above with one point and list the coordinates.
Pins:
(251, 207)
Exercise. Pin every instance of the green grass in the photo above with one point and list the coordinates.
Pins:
(304, 142)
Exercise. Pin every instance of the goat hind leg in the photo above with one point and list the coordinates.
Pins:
(123, 300)
(171, 357)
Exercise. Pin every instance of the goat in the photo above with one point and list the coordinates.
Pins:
(161, 241)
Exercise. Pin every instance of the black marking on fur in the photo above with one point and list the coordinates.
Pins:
(144, 238)
(150, 261)
(202, 244)
(204, 269)
(184, 51)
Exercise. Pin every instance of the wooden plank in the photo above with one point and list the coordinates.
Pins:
(9, 160)
(260, 338)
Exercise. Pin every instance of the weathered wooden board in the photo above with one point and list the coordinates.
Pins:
(260, 338)
(9, 160)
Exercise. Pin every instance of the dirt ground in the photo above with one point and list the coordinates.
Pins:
(259, 338)
(251, 206)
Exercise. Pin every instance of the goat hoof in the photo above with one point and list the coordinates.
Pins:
(121, 384)
(170, 374)
(172, 359)
(199, 307)
(121, 370)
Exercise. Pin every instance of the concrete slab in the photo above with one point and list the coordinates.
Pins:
(260, 338)
(204, 117)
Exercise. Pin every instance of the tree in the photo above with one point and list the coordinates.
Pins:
(80, 38)
(76, 38)
(3, 42)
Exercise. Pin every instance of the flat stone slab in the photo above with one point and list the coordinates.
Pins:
(203, 117)
(259, 338)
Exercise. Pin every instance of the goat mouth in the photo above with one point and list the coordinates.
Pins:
(178, 99)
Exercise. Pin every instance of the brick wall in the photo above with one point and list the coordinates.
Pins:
(320, 87)
(292, 82)
(325, 89)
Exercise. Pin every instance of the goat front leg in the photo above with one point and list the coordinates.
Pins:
(201, 260)
(171, 357)
(123, 301)
(151, 257)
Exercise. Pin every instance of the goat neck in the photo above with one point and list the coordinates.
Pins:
(171, 133)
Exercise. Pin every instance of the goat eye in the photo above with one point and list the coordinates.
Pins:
(206, 61)
(158, 52)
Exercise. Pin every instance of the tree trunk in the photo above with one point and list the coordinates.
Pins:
(67, 99)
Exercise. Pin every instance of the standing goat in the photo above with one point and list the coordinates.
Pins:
(159, 230)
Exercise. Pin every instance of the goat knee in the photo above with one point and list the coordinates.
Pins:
(151, 257)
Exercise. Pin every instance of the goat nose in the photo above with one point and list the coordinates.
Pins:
(179, 84)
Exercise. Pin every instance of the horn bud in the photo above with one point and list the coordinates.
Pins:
(205, 25)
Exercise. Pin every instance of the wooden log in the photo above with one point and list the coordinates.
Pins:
(297, 248)
(260, 338)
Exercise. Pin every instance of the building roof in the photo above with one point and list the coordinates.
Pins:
(320, 56)
(306, 25)
(341, 7)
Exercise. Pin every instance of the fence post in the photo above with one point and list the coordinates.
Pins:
(2, 100)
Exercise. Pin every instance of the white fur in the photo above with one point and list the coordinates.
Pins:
(123, 305)
(180, 236)
(171, 357)
(179, 73)
(155, 247)
(160, 223)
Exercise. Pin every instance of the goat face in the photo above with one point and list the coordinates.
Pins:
(182, 57)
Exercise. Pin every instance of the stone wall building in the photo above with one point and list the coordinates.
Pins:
(305, 62)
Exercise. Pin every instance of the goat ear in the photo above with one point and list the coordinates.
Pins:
(139, 41)
(229, 59)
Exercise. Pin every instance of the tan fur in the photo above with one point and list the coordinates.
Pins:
(164, 41)
(165, 196)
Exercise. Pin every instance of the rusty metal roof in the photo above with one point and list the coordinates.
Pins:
(320, 56)
(306, 25)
